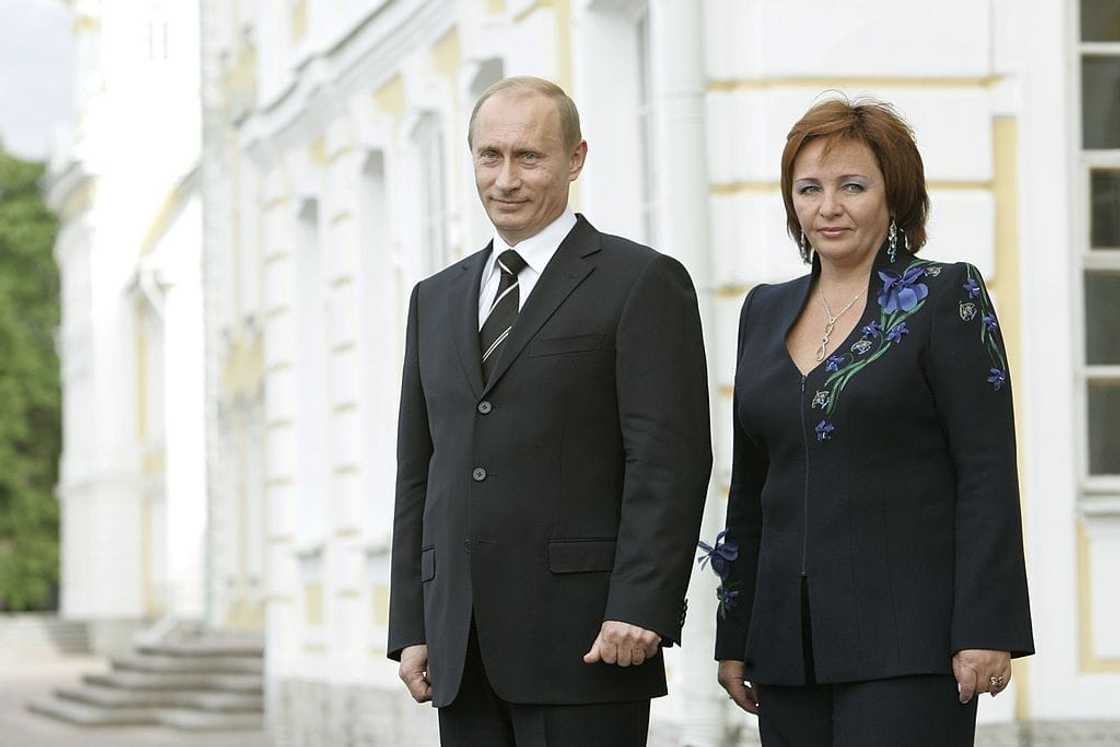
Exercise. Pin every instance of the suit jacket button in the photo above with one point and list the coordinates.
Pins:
(485, 407)
(467, 545)
(479, 474)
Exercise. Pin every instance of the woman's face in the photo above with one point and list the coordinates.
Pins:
(840, 200)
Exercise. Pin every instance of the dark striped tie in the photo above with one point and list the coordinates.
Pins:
(503, 312)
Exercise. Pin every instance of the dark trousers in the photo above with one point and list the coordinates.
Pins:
(917, 711)
(479, 718)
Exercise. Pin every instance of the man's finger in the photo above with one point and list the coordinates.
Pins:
(625, 655)
(637, 656)
(593, 656)
(418, 687)
(608, 652)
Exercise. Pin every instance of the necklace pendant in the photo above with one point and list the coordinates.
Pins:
(822, 349)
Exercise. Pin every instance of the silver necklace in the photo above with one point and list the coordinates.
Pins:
(831, 323)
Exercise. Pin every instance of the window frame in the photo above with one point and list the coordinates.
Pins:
(1089, 259)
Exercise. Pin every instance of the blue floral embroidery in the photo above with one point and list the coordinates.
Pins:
(996, 378)
(727, 598)
(981, 302)
(902, 291)
(721, 554)
(901, 297)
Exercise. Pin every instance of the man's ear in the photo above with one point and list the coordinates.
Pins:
(575, 163)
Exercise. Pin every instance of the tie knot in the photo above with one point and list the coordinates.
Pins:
(511, 262)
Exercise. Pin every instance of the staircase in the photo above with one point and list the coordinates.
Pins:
(194, 680)
(39, 636)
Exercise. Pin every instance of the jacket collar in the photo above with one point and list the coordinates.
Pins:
(568, 268)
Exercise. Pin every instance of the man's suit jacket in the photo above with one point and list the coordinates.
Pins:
(568, 489)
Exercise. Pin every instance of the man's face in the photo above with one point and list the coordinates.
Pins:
(522, 167)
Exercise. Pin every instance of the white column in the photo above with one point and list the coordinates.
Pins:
(679, 84)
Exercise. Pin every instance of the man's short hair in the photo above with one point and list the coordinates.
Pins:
(565, 107)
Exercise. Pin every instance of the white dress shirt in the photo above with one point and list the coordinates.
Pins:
(536, 251)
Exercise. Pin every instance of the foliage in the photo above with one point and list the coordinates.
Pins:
(30, 418)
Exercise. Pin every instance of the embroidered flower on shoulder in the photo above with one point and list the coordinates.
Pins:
(967, 311)
(833, 363)
(861, 346)
(897, 332)
(820, 399)
(824, 430)
(871, 330)
(971, 287)
(902, 291)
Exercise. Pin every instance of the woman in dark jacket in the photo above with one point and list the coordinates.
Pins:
(873, 581)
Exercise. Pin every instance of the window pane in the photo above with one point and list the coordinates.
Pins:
(1100, 101)
(1102, 318)
(1104, 428)
(1105, 199)
(1100, 20)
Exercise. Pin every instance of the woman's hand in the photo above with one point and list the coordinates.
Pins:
(980, 671)
(731, 679)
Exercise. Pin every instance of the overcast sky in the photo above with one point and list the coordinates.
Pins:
(36, 74)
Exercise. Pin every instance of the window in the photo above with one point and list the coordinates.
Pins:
(1099, 255)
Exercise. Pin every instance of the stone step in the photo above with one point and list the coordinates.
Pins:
(30, 635)
(217, 646)
(204, 700)
(91, 715)
(181, 718)
(189, 664)
(248, 683)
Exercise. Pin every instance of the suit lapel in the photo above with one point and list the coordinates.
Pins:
(463, 305)
(564, 272)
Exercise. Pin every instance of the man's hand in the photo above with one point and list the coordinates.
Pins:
(414, 672)
(731, 679)
(974, 670)
(622, 644)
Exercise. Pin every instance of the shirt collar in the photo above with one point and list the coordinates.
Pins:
(538, 249)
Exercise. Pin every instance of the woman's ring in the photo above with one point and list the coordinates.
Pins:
(996, 682)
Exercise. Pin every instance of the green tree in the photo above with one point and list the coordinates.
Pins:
(30, 419)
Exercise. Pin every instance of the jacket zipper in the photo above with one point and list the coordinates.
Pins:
(805, 507)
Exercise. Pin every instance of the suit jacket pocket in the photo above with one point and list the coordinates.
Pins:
(427, 564)
(564, 345)
(580, 556)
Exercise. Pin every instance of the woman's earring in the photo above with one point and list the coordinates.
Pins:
(806, 248)
(892, 235)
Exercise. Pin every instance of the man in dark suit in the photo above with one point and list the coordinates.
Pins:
(553, 457)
